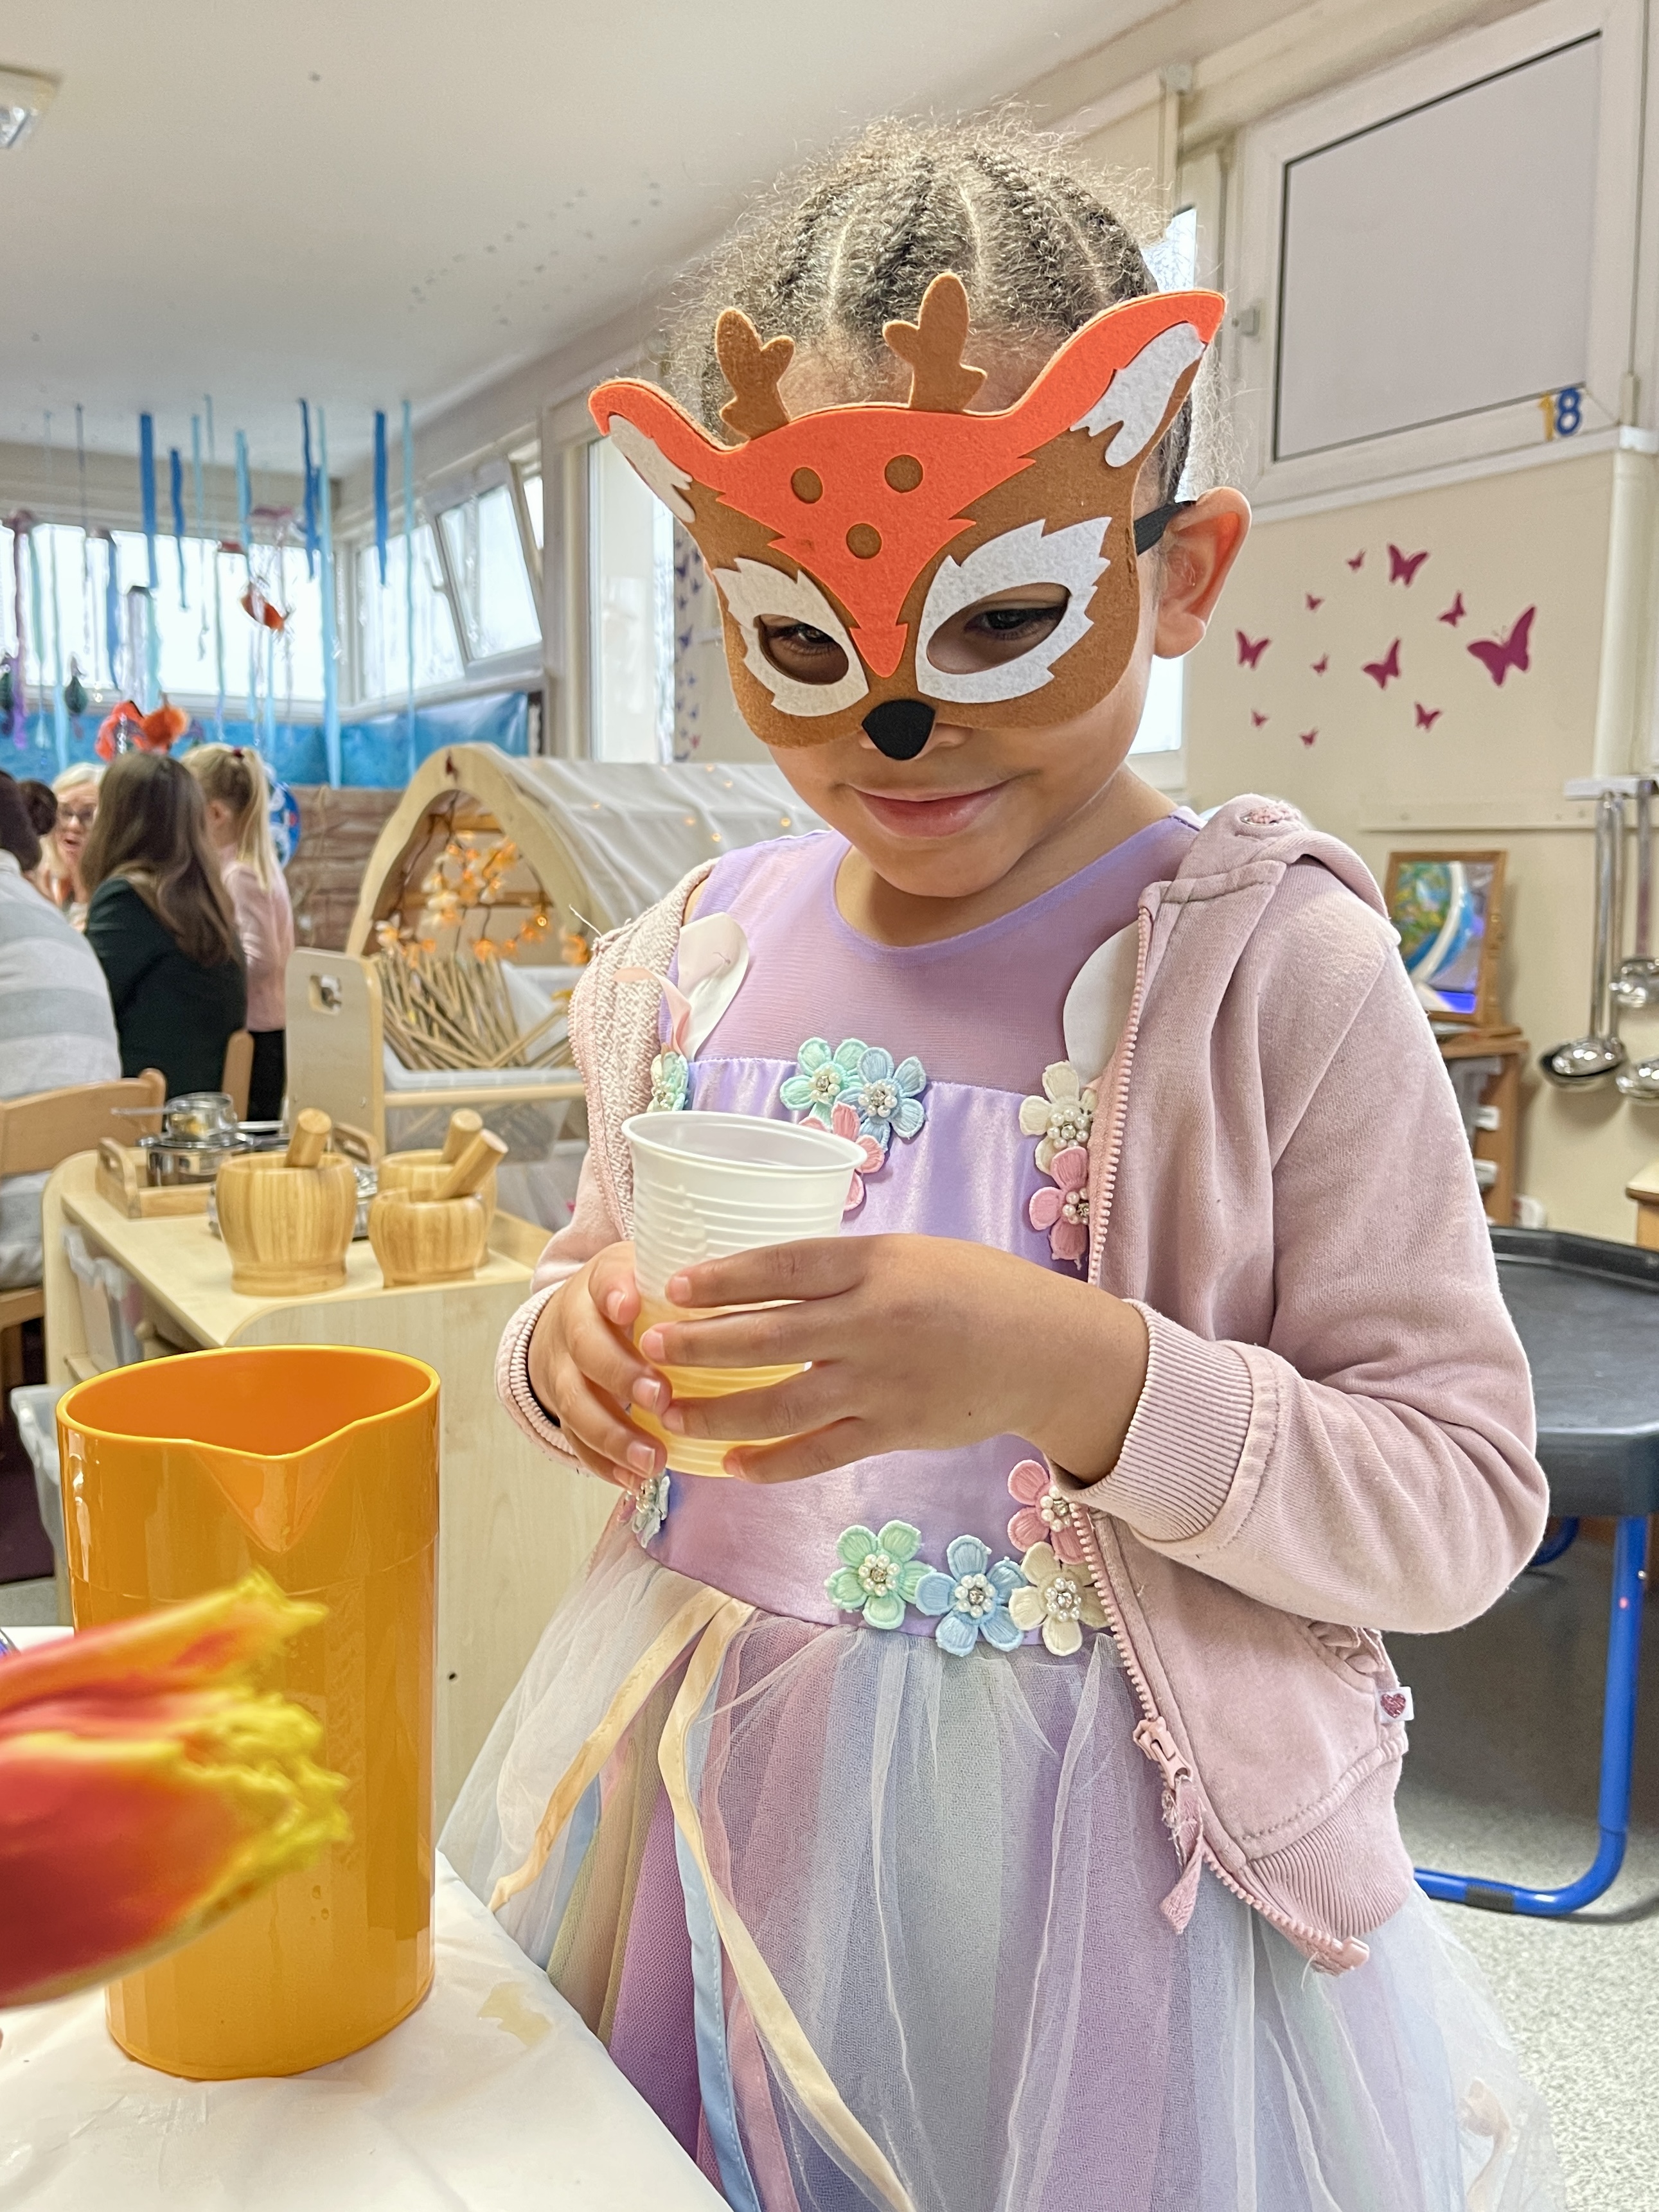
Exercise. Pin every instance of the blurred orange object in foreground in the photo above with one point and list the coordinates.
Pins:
(147, 1789)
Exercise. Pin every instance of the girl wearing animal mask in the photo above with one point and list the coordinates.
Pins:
(943, 1808)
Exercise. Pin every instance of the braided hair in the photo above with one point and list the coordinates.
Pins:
(839, 249)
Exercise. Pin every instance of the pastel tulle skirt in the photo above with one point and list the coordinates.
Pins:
(870, 1925)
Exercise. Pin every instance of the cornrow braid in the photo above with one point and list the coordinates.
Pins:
(852, 243)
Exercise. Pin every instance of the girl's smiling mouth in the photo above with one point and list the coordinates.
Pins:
(927, 814)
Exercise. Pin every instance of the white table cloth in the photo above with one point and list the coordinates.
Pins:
(492, 2098)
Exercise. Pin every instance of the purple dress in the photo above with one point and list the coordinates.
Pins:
(902, 1946)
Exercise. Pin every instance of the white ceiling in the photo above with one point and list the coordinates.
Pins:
(365, 200)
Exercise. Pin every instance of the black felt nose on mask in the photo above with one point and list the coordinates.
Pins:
(899, 727)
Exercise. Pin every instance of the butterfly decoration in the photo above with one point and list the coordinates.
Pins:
(1257, 720)
(1381, 671)
(1454, 613)
(1498, 656)
(1248, 654)
(1308, 736)
(1320, 666)
(1358, 560)
(1403, 567)
(1427, 717)
(1314, 604)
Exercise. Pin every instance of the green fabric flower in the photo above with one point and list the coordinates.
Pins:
(880, 1574)
(820, 1078)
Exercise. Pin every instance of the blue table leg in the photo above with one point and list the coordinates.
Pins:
(1552, 1546)
(1617, 1749)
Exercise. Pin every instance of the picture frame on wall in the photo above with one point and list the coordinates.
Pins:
(1449, 909)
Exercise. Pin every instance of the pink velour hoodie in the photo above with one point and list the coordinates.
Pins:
(1334, 1436)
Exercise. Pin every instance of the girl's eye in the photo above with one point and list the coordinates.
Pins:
(810, 655)
(997, 631)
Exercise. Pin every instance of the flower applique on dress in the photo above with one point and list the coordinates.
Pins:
(844, 1122)
(974, 1599)
(713, 959)
(671, 1081)
(880, 1574)
(651, 1507)
(1064, 1115)
(1044, 1516)
(1058, 1598)
(1063, 1209)
(822, 1077)
(887, 1099)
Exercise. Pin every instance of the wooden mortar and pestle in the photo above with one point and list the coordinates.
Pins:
(440, 1238)
(287, 1218)
(421, 1174)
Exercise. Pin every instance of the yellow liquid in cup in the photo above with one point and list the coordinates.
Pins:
(703, 1454)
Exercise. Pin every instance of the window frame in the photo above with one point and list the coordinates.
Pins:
(1444, 451)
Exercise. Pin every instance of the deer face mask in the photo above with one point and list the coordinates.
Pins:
(859, 535)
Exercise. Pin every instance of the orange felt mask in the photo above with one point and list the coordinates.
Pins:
(877, 525)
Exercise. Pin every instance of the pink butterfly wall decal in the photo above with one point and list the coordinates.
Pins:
(1499, 657)
(1427, 717)
(1358, 560)
(1248, 654)
(1257, 720)
(1314, 604)
(1403, 567)
(1308, 736)
(1454, 613)
(1320, 666)
(1381, 670)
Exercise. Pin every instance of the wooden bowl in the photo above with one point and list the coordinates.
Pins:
(419, 1240)
(287, 1229)
(420, 1173)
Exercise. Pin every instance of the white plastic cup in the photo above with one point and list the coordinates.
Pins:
(706, 1186)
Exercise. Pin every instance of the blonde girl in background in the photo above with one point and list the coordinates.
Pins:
(238, 796)
(981, 1797)
(75, 790)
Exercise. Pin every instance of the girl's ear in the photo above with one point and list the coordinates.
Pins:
(1199, 546)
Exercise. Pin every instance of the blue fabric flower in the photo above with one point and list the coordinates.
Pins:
(880, 1574)
(887, 1099)
(820, 1078)
(671, 1078)
(651, 1507)
(973, 1598)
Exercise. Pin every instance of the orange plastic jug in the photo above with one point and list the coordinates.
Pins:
(319, 1465)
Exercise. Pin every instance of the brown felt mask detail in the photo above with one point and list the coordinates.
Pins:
(876, 525)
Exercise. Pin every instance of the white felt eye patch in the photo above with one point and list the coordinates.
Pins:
(754, 588)
(1071, 557)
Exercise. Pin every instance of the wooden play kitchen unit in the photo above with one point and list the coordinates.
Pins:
(514, 1528)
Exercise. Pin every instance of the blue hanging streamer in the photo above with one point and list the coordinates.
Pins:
(331, 683)
(113, 610)
(176, 485)
(218, 591)
(310, 509)
(380, 490)
(245, 531)
(147, 488)
(409, 577)
(59, 706)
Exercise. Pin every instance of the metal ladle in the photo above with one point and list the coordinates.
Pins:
(1637, 983)
(1592, 1058)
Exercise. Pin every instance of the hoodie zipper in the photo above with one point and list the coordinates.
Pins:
(1182, 1812)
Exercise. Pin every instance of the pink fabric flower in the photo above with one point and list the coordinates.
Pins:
(1064, 1211)
(1044, 1518)
(844, 1122)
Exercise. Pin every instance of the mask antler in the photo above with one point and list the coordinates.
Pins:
(752, 370)
(940, 380)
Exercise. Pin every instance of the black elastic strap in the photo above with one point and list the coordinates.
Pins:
(1149, 528)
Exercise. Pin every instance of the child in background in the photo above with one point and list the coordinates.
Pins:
(950, 1811)
(233, 785)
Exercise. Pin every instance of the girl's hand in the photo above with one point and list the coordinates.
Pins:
(583, 1368)
(916, 1342)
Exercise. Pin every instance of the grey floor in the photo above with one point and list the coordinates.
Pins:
(1501, 1782)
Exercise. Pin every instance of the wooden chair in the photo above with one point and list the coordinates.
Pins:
(39, 1131)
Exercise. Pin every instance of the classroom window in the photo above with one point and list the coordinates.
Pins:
(493, 593)
(383, 626)
(631, 613)
(532, 505)
(1173, 260)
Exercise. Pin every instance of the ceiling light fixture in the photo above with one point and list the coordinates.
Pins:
(25, 96)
